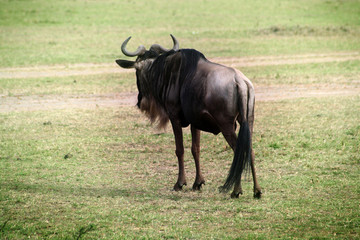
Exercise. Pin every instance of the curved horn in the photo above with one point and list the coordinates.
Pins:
(176, 43)
(139, 51)
(161, 49)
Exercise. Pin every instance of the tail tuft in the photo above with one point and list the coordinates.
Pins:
(242, 157)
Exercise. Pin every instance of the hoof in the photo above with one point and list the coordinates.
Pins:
(257, 194)
(236, 195)
(179, 186)
(197, 186)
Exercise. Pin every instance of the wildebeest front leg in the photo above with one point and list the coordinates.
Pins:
(180, 154)
(195, 150)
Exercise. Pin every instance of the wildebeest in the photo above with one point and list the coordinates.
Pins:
(182, 86)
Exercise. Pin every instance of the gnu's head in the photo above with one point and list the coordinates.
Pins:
(144, 57)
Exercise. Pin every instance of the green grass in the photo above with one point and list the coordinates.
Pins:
(312, 73)
(45, 32)
(105, 173)
(119, 175)
(89, 84)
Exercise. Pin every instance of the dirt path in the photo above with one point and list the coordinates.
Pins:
(92, 69)
(91, 101)
(50, 102)
(288, 60)
(263, 93)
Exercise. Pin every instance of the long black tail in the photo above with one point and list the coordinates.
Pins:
(241, 159)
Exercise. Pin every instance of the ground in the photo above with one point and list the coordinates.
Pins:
(263, 92)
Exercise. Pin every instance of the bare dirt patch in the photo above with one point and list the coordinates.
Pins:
(280, 92)
(263, 92)
(92, 101)
(61, 70)
(50, 102)
(106, 68)
(288, 60)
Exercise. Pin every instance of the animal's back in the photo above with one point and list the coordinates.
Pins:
(210, 97)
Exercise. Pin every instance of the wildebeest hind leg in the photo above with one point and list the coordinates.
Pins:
(257, 188)
(195, 150)
(237, 190)
(180, 154)
(230, 137)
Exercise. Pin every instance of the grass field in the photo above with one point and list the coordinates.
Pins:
(106, 173)
(43, 32)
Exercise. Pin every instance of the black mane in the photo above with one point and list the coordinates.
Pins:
(172, 66)
(190, 59)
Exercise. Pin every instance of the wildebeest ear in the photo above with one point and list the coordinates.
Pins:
(125, 63)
